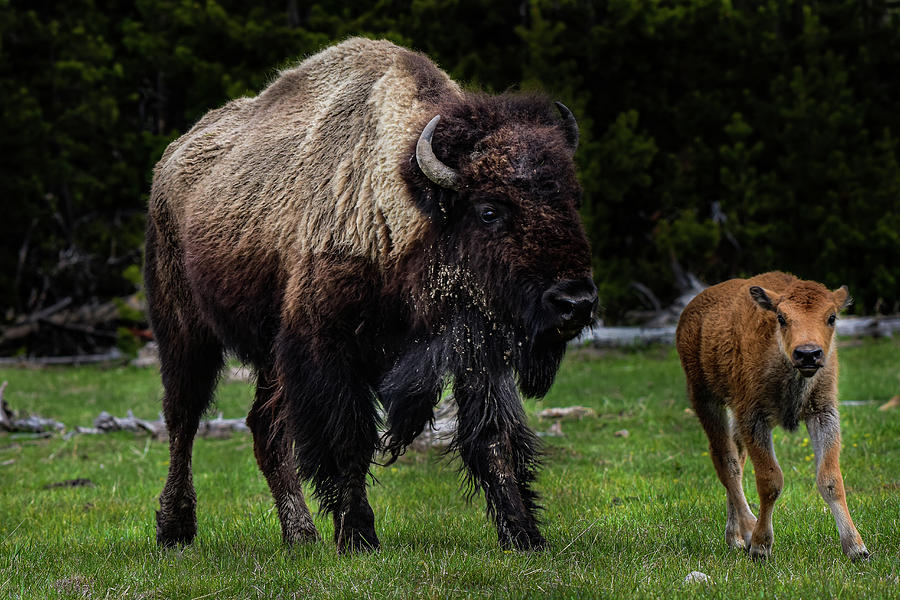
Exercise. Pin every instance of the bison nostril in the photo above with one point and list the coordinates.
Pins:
(571, 303)
(808, 354)
(583, 309)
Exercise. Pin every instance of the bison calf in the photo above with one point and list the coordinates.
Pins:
(764, 347)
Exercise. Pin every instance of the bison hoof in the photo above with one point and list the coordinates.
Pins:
(524, 541)
(357, 541)
(174, 531)
(300, 537)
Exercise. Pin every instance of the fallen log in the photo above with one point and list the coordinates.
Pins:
(93, 326)
(30, 424)
(211, 428)
(106, 423)
(611, 337)
(113, 355)
(567, 412)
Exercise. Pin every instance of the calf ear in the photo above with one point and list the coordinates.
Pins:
(764, 298)
(842, 298)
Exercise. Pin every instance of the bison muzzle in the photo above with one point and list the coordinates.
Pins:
(364, 234)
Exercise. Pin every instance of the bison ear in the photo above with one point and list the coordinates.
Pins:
(764, 298)
(842, 298)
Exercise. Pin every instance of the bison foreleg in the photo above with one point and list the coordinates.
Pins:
(825, 434)
(500, 455)
(332, 420)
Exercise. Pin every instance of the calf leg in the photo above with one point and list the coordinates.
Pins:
(500, 454)
(825, 433)
(728, 455)
(757, 437)
(275, 456)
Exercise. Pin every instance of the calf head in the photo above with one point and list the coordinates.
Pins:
(804, 317)
(502, 192)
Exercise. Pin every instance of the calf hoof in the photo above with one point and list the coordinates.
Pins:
(737, 541)
(760, 552)
(175, 529)
(856, 552)
(353, 541)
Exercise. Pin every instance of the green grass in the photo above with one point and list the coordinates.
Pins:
(625, 516)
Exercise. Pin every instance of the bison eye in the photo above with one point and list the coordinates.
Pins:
(781, 320)
(489, 214)
(831, 320)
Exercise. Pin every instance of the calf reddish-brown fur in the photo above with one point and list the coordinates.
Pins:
(354, 255)
(764, 348)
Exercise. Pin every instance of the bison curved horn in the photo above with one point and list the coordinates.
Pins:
(433, 168)
(571, 125)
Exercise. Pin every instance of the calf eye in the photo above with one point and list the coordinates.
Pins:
(781, 320)
(831, 320)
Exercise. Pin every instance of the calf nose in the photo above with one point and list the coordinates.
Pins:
(808, 355)
(571, 304)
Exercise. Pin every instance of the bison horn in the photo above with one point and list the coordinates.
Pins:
(571, 125)
(433, 168)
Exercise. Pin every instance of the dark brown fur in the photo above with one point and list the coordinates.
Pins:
(764, 348)
(297, 230)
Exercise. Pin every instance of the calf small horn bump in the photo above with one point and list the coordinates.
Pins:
(433, 168)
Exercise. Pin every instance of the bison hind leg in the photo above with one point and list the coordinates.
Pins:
(190, 368)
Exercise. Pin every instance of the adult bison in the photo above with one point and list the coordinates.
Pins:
(764, 347)
(364, 231)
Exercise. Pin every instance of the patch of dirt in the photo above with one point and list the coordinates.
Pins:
(80, 482)
(77, 584)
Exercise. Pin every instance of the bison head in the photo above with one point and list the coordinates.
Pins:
(502, 193)
(805, 316)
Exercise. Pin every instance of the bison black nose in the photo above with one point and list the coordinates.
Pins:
(808, 358)
(570, 305)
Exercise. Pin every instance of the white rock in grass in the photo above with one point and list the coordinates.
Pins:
(697, 577)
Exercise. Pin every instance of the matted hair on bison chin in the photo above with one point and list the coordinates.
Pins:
(409, 392)
(537, 365)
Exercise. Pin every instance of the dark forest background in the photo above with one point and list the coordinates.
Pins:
(718, 138)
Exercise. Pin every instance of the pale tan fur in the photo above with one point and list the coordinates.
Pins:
(737, 356)
(309, 166)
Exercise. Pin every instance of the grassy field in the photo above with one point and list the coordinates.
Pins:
(626, 516)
